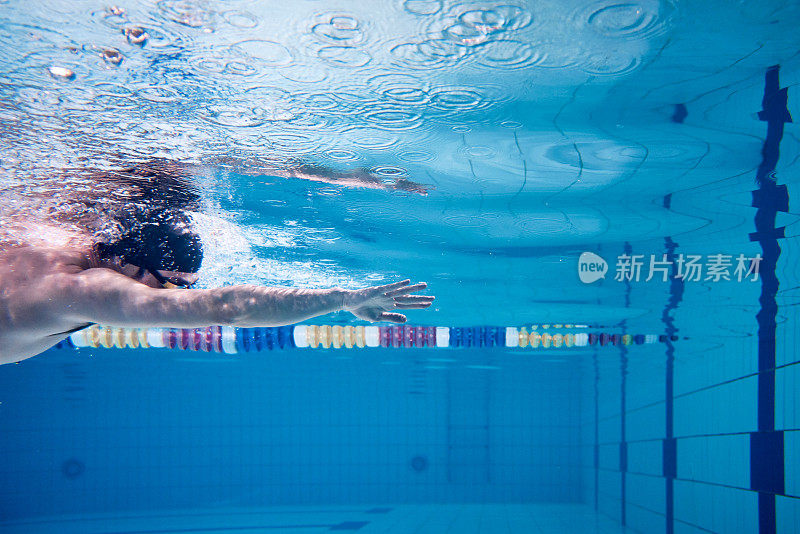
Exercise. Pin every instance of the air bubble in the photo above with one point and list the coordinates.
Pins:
(112, 56)
(135, 35)
(61, 73)
(158, 37)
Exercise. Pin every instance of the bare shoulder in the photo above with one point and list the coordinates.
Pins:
(33, 285)
(30, 280)
(32, 276)
(26, 264)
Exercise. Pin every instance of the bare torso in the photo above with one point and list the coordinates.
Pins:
(28, 323)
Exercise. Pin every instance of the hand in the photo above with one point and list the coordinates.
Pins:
(373, 303)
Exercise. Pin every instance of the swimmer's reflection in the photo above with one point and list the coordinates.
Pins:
(130, 277)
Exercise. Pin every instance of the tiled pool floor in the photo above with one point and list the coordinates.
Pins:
(450, 518)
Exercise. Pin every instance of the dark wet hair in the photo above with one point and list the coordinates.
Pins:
(164, 242)
(156, 233)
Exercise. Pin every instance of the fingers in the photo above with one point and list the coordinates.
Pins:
(413, 299)
(413, 302)
(393, 317)
(394, 286)
(406, 289)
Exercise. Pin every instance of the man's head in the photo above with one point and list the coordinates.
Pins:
(153, 241)
(158, 251)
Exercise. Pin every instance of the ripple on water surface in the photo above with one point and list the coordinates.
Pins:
(611, 63)
(641, 18)
(473, 24)
(240, 19)
(350, 90)
(344, 56)
(371, 138)
(266, 52)
(422, 7)
(194, 14)
(338, 28)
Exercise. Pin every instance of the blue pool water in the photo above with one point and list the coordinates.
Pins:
(531, 132)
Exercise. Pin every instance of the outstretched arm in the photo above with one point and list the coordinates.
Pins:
(360, 178)
(105, 296)
(354, 178)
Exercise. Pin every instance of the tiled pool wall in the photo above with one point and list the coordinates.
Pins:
(703, 437)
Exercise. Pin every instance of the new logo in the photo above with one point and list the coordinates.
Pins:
(591, 267)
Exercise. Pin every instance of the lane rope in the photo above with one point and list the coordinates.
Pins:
(229, 340)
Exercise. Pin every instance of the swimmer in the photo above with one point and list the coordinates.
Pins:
(356, 178)
(50, 289)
